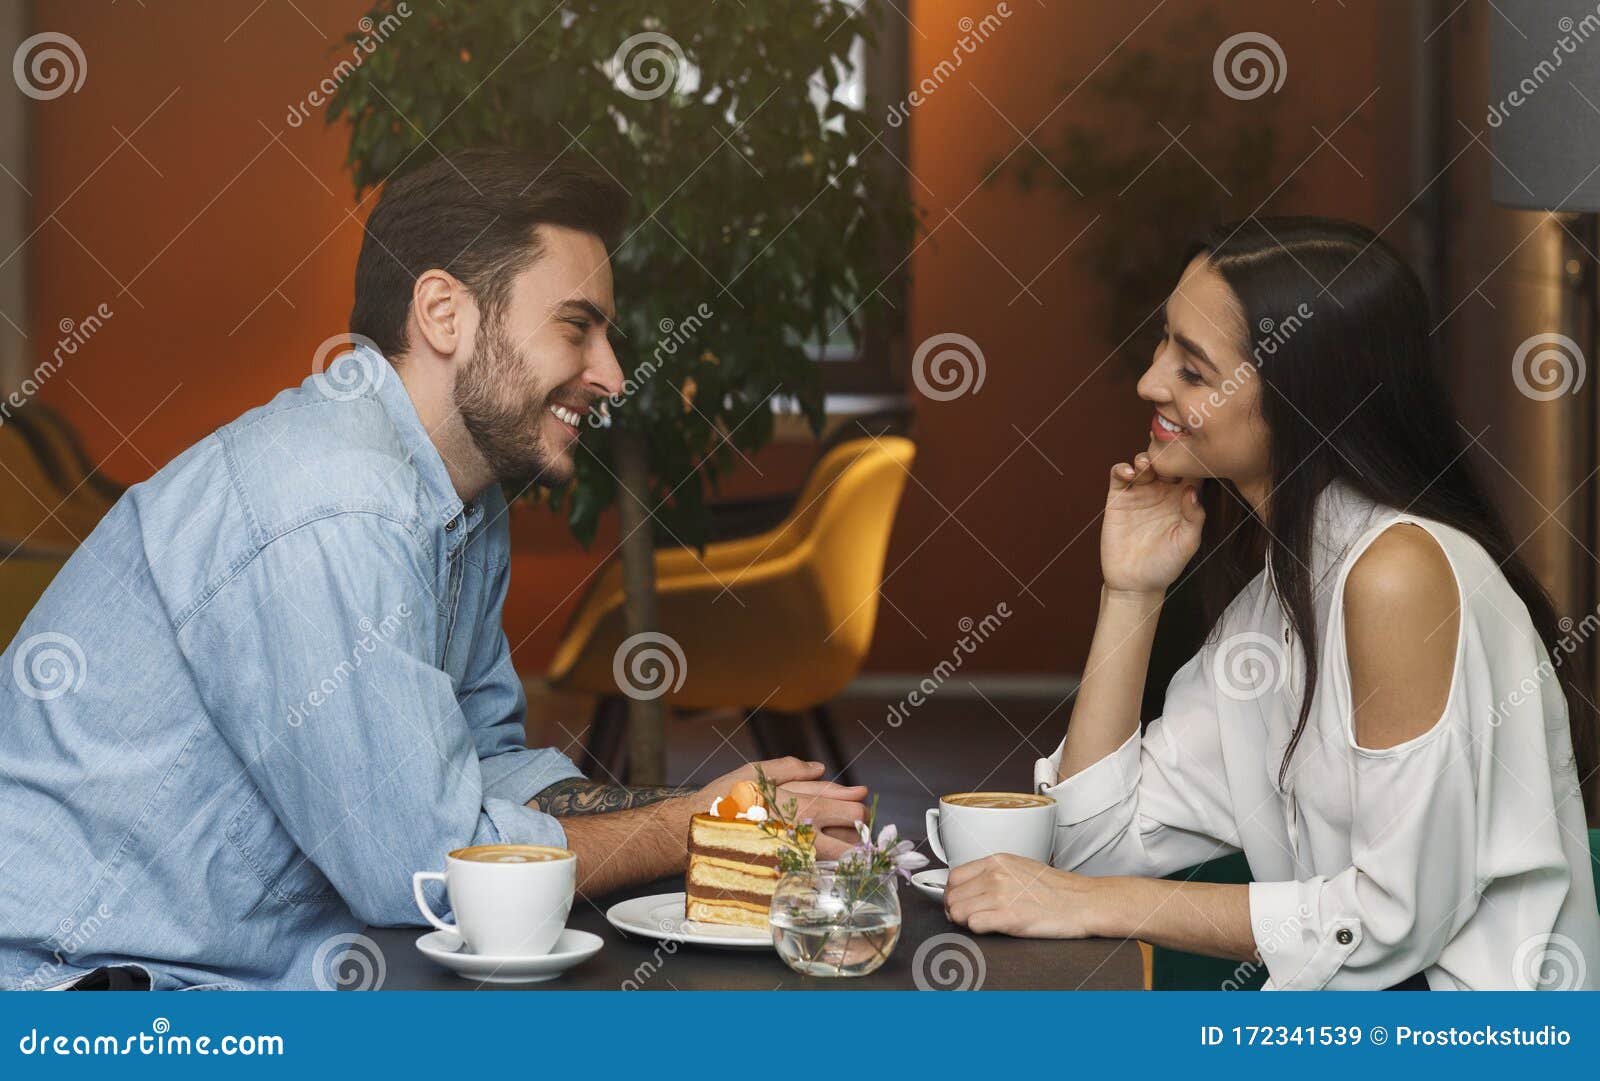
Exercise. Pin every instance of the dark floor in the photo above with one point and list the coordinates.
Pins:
(949, 744)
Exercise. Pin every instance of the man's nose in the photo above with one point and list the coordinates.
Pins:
(604, 373)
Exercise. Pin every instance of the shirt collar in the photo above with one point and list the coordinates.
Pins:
(419, 449)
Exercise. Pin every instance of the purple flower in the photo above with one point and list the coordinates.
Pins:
(906, 859)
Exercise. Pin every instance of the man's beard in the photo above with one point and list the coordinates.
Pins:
(502, 413)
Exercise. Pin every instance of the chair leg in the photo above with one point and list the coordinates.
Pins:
(777, 735)
(828, 736)
(605, 748)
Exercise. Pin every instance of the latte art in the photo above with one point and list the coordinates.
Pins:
(511, 854)
(997, 800)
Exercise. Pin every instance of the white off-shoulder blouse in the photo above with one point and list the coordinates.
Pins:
(1462, 854)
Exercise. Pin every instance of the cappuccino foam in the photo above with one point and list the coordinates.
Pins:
(998, 800)
(511, 854)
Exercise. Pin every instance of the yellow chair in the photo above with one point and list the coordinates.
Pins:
(775, 624)
(51, 497)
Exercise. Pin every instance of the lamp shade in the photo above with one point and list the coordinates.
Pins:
(1544, 104)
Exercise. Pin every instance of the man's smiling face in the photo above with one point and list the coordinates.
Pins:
(542, 362)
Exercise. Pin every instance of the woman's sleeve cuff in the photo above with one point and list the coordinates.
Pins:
(1301, 949)
(1093, 790)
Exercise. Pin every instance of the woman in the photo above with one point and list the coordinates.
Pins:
(1386, 718)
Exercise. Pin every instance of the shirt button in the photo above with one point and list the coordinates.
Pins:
(450, 526)
(1344, 937)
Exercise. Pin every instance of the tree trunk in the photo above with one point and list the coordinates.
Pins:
(647, 751)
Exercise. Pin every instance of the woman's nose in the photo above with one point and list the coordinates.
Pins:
(1151, 387)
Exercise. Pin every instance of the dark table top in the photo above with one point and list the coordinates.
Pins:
(1006, 964)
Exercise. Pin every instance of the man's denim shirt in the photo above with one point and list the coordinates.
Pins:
(269, 686)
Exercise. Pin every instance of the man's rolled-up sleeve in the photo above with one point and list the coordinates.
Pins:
(351, 732)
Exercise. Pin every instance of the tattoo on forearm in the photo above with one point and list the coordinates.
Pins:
(581, 796)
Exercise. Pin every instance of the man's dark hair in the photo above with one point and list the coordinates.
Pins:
(472, 213)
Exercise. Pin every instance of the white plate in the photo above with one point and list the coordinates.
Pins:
(661, 917)
(931, 883)
(447, 949)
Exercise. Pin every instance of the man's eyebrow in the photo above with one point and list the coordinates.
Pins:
(584, 307)
(1191, 346)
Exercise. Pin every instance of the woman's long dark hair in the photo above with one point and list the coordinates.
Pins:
(1336, 325)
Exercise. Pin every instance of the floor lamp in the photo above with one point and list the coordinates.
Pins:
(1544, 119)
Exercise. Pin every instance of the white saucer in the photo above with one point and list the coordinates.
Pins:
(661, 917)
(931, 883)
(447, 949)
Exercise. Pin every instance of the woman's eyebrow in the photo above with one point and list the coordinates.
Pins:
(1191, 346)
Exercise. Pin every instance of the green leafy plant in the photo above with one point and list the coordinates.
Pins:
(766, 215)
(1166, 155)
(748, 198)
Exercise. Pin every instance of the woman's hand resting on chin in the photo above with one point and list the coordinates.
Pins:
(1013, 895)
(1151, 528)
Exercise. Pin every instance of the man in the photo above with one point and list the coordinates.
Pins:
(273, 682)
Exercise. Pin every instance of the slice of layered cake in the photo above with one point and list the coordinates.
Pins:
(733, 862)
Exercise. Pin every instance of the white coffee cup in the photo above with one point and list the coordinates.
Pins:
(968, 826)
(509, 900)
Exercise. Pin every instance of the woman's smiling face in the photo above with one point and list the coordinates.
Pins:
(1207, 421)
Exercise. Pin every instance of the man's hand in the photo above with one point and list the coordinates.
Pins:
(827, 805)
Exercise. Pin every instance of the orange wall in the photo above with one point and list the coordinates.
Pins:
(171, 188)
(1023, 529)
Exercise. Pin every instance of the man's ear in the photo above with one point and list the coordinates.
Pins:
(443, 312)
